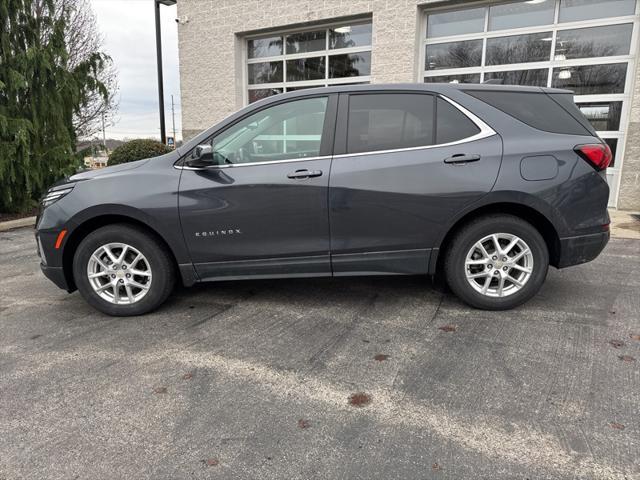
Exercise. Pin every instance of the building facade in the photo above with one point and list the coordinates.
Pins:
(234, 52)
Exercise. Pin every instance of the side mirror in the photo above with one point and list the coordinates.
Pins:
(202, 156)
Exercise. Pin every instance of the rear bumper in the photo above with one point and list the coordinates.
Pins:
(582, 249)
(56, 275)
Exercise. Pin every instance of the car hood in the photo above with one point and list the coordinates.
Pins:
(89, 174)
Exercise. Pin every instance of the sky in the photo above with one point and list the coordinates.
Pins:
(128, 27)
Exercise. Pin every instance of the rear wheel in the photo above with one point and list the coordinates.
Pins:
(121, 270)
(497, 262)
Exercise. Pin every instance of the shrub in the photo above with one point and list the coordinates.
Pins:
(137, 150)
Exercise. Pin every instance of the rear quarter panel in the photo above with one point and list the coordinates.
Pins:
(574, 200)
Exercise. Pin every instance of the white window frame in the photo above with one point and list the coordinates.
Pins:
(327, 52)
(613, 174)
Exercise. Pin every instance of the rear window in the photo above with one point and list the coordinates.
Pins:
(566, 101)
(538, 110)
(389, 121)
(453, 125)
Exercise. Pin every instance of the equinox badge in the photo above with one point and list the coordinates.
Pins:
(219, 233)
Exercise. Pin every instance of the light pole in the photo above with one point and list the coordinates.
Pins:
(163, 133)
(173, 121)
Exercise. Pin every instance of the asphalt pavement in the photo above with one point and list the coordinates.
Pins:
(353, 378)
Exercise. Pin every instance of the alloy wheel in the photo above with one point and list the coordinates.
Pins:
(499, 265)
(119, 273)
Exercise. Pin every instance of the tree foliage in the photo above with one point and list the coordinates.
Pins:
(137, 150)
(40, 92)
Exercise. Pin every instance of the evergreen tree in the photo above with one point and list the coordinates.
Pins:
(39, 94)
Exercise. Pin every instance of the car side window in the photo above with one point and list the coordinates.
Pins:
(389, 121)
(452, 124)
(286, 131)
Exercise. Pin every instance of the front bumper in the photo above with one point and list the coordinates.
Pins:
(56, 275)
(581, 249)
(51, 259)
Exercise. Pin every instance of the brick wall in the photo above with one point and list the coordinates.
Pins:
(629, 193)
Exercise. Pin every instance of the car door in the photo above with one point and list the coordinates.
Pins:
(404, 164)
(261, 208)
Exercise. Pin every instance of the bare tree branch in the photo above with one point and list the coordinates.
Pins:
(83, 40)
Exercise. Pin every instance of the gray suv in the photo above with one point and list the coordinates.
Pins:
(488, 184)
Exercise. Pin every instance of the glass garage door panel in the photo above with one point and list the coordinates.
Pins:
(264, 47)
(316, 57)
(267, 72)
(533, 47)
(456, 22)
(350, 36)
(350, 65)
(592, 42)
(520, 14)
(454, 55)
(575, 10)
(603, 116)
(534, 77)
(468, 78)
(591, 79)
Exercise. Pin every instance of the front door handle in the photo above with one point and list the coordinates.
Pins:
(462, 158)
(298, 174)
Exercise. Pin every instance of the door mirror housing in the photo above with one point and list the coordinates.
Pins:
(201, 156)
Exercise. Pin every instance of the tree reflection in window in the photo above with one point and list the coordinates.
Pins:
(591, 79)
(454, 55)
(264, 47)
(265, 72)
(594, 42)
(350, 65)
(350, 36)
(535, 47)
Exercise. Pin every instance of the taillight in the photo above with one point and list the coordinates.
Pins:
(597, 154)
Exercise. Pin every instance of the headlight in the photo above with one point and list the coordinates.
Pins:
(56, 193)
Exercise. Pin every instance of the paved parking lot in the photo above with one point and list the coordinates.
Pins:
(254, 379)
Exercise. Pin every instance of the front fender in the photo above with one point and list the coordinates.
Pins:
(165, 224)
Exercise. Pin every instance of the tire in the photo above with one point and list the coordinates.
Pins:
(471, 264)
(145, 281)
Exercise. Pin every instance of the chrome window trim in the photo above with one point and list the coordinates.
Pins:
(485, 131)
(251, 164)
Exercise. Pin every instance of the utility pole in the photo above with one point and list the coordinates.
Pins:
(104, 135)
(173, 121)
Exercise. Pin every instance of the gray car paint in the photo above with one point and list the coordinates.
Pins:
(398, 202)
(388, 223)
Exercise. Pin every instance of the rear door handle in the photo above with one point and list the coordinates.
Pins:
(462, 158)
(305, 174)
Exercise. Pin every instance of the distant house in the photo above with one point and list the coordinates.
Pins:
(99, 160)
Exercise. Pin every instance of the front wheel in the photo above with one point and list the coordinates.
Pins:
(497, 262)
(121, 270)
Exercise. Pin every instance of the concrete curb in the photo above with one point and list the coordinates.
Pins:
(19, 223)
(623, 225)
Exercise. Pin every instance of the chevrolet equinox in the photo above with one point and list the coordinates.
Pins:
(488, 184)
